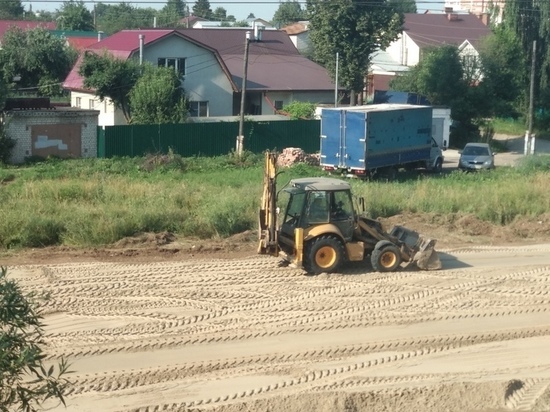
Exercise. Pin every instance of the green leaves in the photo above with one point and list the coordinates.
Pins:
(21, 352)
(355, 30)
(110, 77)
(75, 16)
(158, 97)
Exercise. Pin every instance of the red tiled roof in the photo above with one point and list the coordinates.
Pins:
(437, 29)
(25, 25)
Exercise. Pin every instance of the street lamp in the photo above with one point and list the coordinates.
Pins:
(240, 137)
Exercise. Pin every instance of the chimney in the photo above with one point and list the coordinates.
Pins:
(99, 36)
(484, 17)
(452, 17)
(258, 32)
(141, 40)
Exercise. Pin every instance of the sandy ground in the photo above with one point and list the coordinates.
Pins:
(248, 334)
(180, 326)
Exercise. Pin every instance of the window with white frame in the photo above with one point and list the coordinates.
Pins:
(78, 102)
(91, 104)
(178, 63)
(198, 109)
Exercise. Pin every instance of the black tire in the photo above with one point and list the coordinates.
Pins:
(438, 167)
(323, 255)
(385, 258)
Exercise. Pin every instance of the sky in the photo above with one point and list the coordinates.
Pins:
(262, 9)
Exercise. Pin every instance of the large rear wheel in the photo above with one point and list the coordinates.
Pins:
(324, 254)
(385, 258)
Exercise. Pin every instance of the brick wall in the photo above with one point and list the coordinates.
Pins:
(50, 132)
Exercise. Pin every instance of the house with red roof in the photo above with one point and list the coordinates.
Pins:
(5, 25)
(211, 64)
(423, 31)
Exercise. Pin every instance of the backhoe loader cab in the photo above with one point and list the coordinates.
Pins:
(320, 229)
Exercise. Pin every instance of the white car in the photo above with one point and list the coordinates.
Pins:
(476, 156)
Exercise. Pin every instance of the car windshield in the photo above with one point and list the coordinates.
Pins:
(475, 151)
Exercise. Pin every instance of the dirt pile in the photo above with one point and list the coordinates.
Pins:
(293, 155)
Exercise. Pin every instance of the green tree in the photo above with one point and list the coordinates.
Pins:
(202, 9)
(75, 16)
(240, 23)
(172, 13)
(220, 14)
(113, 18)
(110, 78)
(404, 6)
(288, 12)
(41, 60)
(530, 21)
(21, 355)
(158, 97)
(441, 78)
(353, 29)
(11, 10)
(502, 83)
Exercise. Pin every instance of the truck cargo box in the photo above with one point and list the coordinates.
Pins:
(362, 139)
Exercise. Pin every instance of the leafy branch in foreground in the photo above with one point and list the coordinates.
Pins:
(25, 380)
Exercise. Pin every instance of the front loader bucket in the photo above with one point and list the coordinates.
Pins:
(421, 249)
(427, 258)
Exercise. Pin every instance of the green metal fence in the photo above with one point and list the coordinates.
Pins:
(206, 139)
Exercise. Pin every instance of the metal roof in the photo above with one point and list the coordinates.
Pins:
(438, 29)
(317, 184)
(274, 63)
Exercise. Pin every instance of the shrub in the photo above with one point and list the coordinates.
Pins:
(21, 352)
(300, 110)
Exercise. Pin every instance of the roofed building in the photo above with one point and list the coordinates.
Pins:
(211, 64)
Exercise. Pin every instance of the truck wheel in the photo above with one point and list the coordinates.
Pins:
(438, 167)
(387, 258)
(324, 254)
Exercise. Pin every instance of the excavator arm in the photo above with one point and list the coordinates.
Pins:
(267, 231)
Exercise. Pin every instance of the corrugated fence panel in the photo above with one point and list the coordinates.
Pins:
(206, 139)
(304, 134)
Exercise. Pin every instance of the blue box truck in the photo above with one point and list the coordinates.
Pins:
(376, 139)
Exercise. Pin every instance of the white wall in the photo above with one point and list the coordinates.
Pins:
(108, 115)
(404, 50)
(19, 128)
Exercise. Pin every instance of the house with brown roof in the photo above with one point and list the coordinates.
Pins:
(299, 34)
(423, 31)
(211, 64)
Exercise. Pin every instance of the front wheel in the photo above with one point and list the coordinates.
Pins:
(324, 254)
(386, 258)
(438, 167)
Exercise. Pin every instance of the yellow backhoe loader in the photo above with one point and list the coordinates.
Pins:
(321, 229)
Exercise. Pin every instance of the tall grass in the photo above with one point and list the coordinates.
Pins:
(93, 202)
